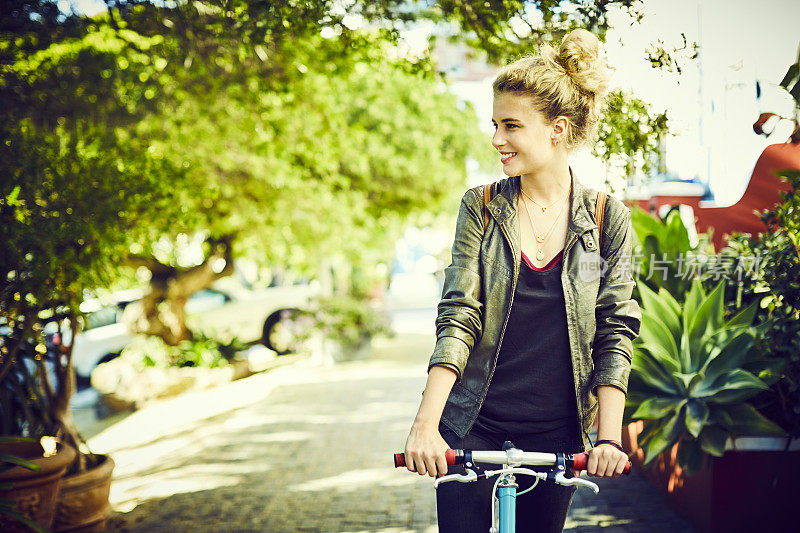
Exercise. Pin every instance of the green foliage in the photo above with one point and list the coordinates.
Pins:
(70, 204)
(72, 200)
(359, 150)
(630, 135)
(502, 28)
(775, 290)
(689, 379)
(286, 149)
(663, 253)
(348, 320)
(202, 351)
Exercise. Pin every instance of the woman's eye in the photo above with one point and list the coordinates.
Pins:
(511, 125)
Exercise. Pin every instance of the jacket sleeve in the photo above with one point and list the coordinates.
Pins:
(618, 316)
(458, 322)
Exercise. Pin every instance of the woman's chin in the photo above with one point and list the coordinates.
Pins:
(510, 171)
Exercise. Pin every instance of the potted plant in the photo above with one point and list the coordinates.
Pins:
(692, 375)
(68, 218)
(36, 383)
(347, 325)
(29, 478)
(148, 369)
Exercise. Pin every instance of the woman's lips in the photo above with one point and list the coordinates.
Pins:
(505, 158)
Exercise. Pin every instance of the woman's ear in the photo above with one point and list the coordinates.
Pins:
(560, 127)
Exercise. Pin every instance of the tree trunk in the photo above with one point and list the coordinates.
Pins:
(162, 310)
(59, 398)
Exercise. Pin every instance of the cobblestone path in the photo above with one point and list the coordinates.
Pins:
(308, 448)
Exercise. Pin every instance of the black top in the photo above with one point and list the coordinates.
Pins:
(532, 389)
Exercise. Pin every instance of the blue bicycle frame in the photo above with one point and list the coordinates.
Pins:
(507, 496)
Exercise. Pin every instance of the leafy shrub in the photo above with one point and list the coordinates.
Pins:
(348, 320)
(664, 253)
(692, 374)
(776, 291)
(202, 351)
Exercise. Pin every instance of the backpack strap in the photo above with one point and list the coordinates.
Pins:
(599, 213)
(488, 194)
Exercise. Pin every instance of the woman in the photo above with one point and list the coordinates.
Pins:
(536, 320)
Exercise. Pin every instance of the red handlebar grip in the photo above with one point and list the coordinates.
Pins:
(450, 455)
(580, 460)
(400, 458)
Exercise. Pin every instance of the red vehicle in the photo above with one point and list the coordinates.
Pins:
(762, 192)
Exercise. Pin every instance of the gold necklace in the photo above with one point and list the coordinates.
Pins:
(544, 208)
(540, 240)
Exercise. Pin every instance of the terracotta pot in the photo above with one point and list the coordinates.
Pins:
(750, 488)
(35, 492)
(83, 499)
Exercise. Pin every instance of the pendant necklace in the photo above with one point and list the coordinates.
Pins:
(541, 239)
(543, 208)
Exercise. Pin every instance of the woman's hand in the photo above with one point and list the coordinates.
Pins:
(424, 451)
(606, 461)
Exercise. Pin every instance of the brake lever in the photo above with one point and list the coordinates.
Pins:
(561, 479)
(461, 478)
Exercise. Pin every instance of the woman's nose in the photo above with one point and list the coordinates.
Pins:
(497, 139)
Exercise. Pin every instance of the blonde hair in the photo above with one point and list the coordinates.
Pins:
(570, 82)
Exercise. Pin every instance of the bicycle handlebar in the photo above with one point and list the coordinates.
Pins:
(577, 461)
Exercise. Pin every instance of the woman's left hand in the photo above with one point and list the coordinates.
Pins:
(606, 461)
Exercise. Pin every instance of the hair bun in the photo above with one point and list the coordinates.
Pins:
(579, 55)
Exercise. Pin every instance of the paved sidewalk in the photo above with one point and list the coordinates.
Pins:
(308, 448)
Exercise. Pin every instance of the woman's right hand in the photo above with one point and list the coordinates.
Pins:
(425, 449)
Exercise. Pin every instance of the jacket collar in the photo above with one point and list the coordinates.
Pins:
(504, 207)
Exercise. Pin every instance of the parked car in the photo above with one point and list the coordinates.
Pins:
(251, 315)
(104, 333)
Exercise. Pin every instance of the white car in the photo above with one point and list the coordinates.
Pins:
(248, 314)
(104, 335)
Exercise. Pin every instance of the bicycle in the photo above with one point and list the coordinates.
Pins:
(504, 492)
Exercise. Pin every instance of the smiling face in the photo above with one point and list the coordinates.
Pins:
(522, 135)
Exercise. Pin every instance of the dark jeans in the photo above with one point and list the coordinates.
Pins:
(466, 507)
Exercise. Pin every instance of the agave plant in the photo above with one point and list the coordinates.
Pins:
(663, 246)
(692, 374)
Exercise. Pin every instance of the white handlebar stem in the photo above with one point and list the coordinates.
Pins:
(514, 457)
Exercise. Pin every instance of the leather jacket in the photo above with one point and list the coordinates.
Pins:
(479, 285)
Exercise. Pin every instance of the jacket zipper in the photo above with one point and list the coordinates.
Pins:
(581, 431)
(567, 247)
(505, 323)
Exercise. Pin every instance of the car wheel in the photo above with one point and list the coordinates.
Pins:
(108, 357)
(283, 330)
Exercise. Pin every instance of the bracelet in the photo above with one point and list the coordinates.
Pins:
(614, 443)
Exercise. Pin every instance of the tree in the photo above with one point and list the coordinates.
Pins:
(359, 149)
(220, 91)
(631, 136)
(70, 205)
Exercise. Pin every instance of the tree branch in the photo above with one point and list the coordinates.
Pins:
(156, 267)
